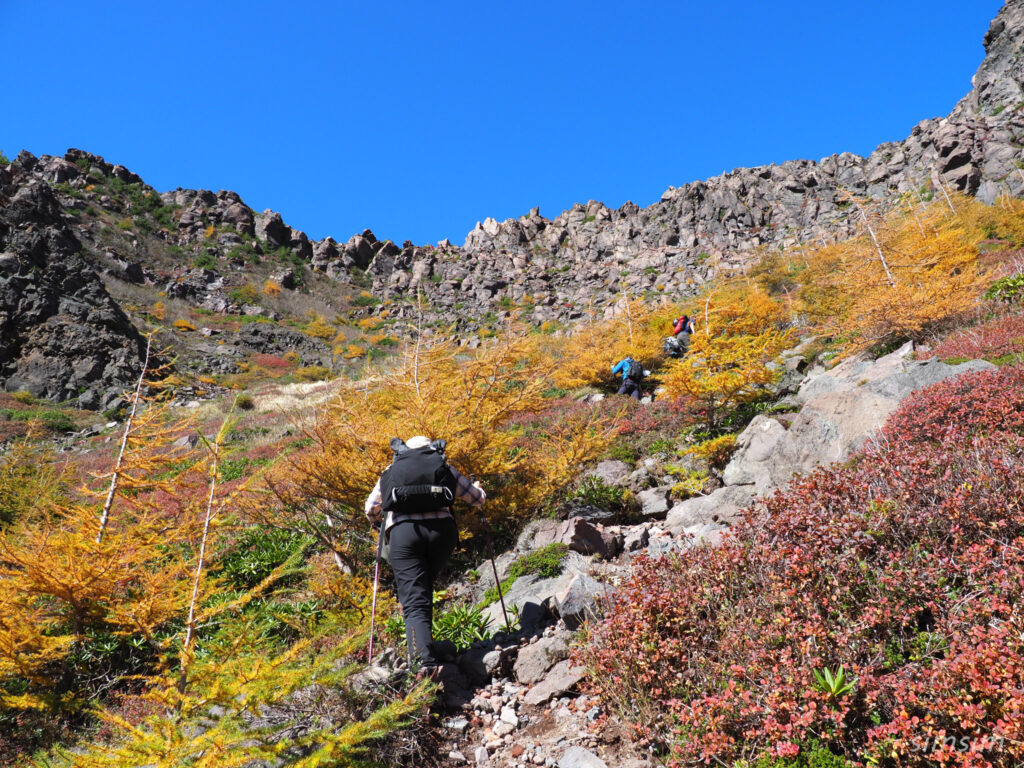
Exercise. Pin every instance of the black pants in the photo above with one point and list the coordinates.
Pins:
(419, 549)
(631, 388)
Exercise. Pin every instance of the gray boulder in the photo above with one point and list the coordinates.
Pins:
(610, 472)
(636, 538)
(581, 600)
(723, 506)
(538, 534)
(536, 659)
(755, 447)
(842, 409)
(562, 678)
(532, 596)
(62, 336)
(270, 228)
(587, 538)
(654, 501)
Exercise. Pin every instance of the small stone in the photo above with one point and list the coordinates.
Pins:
(457, 724)
(503, 728)
(456, 757)
(578, 757)
(481, 756)
(508, 715)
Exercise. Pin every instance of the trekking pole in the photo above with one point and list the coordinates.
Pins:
(494, 567)
(376, 581)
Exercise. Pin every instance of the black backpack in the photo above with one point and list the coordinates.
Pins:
(418, 479)
(635, 371)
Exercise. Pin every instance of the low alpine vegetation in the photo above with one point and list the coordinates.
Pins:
(873, 610)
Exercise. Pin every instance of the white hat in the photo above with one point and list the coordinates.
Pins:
(418, 442)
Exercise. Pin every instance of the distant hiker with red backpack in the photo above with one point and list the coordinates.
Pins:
(678, 344)
(633, 374)
(412, 504)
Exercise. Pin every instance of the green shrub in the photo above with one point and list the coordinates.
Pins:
(812, 756)
(1008, 290)
(461, 624)
(365, 299)
(233, 469)
(51, 419)
(249, 252)
(258, 552)
(244, 403)
(4, 162)
(245, 294)
(597, 493)
(206, 261)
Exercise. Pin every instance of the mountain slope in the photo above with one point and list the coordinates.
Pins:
(252, 285)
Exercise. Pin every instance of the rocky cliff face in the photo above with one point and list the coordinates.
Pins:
(64, 337)
(200, 247)
(589, 254)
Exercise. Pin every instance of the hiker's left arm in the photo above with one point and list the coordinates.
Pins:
(469, 492)
(372, 508)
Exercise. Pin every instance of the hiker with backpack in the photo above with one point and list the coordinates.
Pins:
(678, 344)
(633, 374)
(412, 505)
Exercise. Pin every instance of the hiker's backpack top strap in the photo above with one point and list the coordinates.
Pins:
(417, 482)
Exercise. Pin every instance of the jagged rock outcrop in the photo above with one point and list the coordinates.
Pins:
(586, 256)
(63, 336)
(840, 410)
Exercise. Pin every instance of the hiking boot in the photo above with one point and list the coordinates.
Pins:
(444, 650)
(433, 674)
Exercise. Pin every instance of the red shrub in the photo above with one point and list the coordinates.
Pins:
(906, 568)
(272, 362)
(977, 403)
(996, 338)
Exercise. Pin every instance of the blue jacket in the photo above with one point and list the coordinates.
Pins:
(622, 366)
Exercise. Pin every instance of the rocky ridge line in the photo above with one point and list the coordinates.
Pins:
(549, 270)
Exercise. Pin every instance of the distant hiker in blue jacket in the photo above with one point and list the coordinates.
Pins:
(632, 374)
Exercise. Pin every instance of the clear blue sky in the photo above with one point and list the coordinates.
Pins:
(417, 119)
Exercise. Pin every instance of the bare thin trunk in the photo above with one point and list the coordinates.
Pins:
(945, 194)
(707, 316)
(105, 514)
(629, 318)
(913, 213)
(337, 558)
(419, 334)
(190, 624)
(803, 255)
(878, 246)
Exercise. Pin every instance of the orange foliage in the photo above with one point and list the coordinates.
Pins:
(637, 328)
(721, 372)
(924, 271)
(432, 391)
